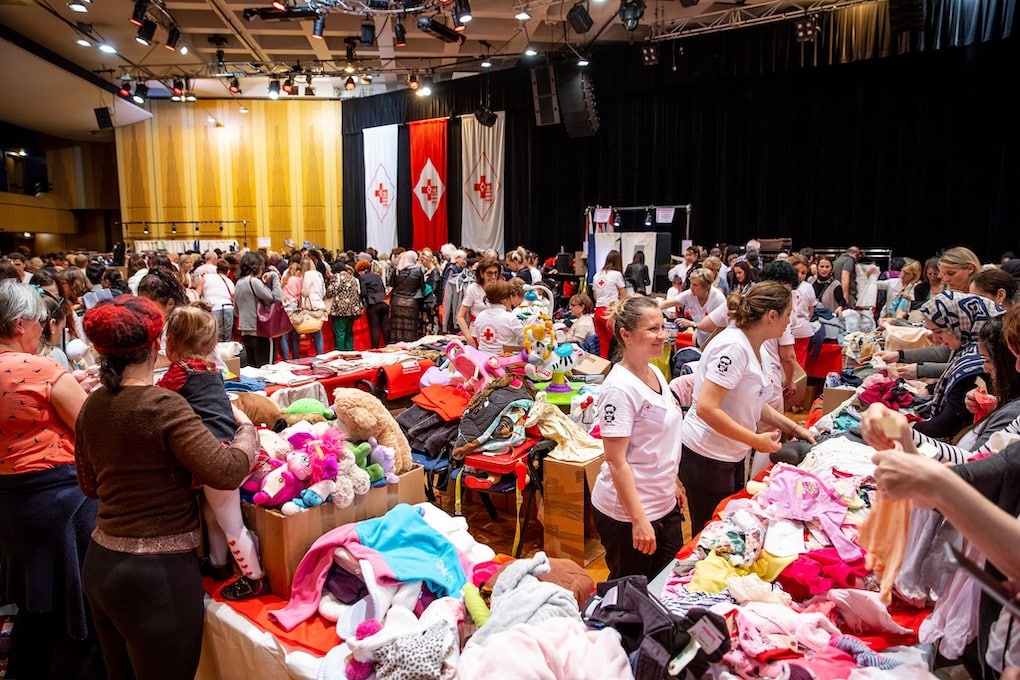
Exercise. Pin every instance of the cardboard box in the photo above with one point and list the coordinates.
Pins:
(567, 516)
(233, 365)
(284, 540)
(834, 396)
(593, 364)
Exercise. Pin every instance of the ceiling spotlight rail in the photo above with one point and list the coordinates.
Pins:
(743, 16)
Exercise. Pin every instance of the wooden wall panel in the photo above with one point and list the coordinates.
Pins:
(277, 155)
(134, 170)
(170, 169)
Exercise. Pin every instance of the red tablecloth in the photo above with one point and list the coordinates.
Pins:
(330, 383)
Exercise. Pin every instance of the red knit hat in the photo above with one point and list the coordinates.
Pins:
(123, 325)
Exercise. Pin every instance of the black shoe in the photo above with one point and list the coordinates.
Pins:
(217, 572)
(245, 588)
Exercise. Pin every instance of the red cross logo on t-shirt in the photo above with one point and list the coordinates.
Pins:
(483, 188)
(382, 194)
(488, 334)
(602, 282)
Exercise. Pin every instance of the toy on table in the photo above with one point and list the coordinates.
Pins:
(548, 359)
(361, 415)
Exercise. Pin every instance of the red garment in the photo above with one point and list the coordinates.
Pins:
(177, 374)
(819, 571)
(889, 392)
(446, 400)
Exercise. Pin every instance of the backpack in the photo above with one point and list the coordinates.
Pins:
(494, 418)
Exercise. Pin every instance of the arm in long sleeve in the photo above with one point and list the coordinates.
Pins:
(953, 415)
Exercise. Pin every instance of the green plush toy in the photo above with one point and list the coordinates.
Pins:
(362, 454)
(309, 406)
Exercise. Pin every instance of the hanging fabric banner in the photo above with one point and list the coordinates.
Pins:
(482, 161)
(381, 187)
(428, 183)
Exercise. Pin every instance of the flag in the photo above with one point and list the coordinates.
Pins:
(381, 187)
(428, 182)
(482, 161)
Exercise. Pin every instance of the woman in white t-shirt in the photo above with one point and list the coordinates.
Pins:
(487, 269)
(496, 326)
(636, 499)
(732, 387)
(697, 302)
(608, 286)
(804, 302)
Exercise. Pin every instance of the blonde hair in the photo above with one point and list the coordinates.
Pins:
(960, 257)
(625, 313)
(191, 332)
(912, 267)
(763, 296)
(713, 263)
(704, 276)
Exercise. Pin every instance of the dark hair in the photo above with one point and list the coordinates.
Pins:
(483, 264)
(613, 261)
(159, 285)
(1006, 383)
(111, 367)
(639, 257)
(780, 271)
(763, 297)
(990, 281)
(9, 271)
(42, 278)
(116, 280)
(56, 311)
(750, 275)
(94, 272)
(584, 300)
(251, 264)
(162, 261)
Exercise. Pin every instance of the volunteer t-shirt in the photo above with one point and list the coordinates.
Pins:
(474, 299)
(729, 362)
(803, 307)
(697, 311)
(627, 407)
(496, 326)
(607, 284)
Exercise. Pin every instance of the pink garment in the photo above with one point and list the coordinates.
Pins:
(819, 571)
(829, 664)
(764, 627)
(797, 494)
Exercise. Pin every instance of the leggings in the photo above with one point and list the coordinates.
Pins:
(618, 540)
(148, 611)
(706, 482)
(343, 332)
(225, 525)
(604, 329)
(379, 324)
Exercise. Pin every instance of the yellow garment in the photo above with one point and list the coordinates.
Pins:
(572, 442)
(712, 573)
(883, 536)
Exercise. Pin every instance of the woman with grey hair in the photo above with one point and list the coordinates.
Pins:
(47, 519)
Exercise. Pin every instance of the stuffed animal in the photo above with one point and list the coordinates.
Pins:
(362, 453)
(351, 480)
(284, 482)
(260, 410)
(273, 444)
(311, 410)
(361, 415)
(383, 457)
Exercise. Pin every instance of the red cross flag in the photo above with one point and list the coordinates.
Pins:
(428, 174)
(482, 160)
(381, 187)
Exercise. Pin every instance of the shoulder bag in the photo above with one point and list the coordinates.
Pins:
(304, 319)
(272, 319)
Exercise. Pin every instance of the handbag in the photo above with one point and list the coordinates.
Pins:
(306, 320)
(272, 320)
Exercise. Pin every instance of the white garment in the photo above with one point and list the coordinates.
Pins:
(729, 362)
(607, 285)
(720, 317)
(314, 288)
(679, 272)
(627, 407)
(135, 279)
(218, 290)
(804, 302)
(474, 298)
(892, 288)
(697, 311)
(672, 294)
(497, 326)
(867, 285)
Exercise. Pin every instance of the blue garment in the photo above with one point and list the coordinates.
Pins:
(243, 384)
(414, 550)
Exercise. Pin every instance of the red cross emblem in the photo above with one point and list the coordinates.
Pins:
(602, 282)
(430, 191)
(382, 194)
(488, 334)
(483, 188)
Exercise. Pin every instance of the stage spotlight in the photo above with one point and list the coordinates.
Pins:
(141, 92)
(462, 8)
(319, 26)
(439, 30)
(138, 14)
(235, 86)
(425, 88)
(399, 34)
(125, 87)
(650, 54)
(458, 25)
(367, 32)
(288, 86)
(274, 89)
(172, 38)
(177, 89)
(412, 81)
(146, 32)
(631, 12)
(350, 83)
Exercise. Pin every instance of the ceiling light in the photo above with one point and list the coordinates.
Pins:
(210, 119)
(183, 50)
(288, 86)
(171, 39)
(189, 96)
(582, 61)
(367, 32)
(319, 26)
(439, 30)
(463, 9)
(412, 81)
(523, 15)
(399, 34)
(530, 51)
(349, 68)
(235, 86)
(425, 88)
(649, 218)
(351, 55)
(83, 42)
(138, 14)
(79, 7)
(366, 79)
(107, 48)
(280, 5)
(274, 89)
(486, 62)
(141, 92)
(125, 87)
(146, 32)
(177, 88)
(650, 54)
(349, 84)
(631, 12)
(244, 109)
(458, 25)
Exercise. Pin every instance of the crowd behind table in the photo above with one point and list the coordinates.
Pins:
(754, 318)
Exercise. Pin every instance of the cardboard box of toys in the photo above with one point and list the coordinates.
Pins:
(284, 540)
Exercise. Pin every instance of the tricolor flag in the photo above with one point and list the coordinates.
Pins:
(381, 187)
(428, 182)
(482, 160)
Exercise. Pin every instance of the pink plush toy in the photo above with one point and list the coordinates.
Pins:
(284, 482)
(356, 669)
(476, 367)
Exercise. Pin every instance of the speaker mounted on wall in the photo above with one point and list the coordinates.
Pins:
(543, 90)
(485, 116)
(103, 118)
(577, 101)
(579, 19)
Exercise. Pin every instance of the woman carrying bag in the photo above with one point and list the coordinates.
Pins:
(255, 288)
(311, 310)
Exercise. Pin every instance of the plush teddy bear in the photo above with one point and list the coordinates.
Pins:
(260, 410)
(284, 481)
(383, 456)
(351, 480)
(361, 415)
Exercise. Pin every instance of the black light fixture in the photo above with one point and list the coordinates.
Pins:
(172, 39)
(351, 55)
(288, 86)
(439, 30)
(235, 86)
(649, 218)
(138, 14)
(146, 32)
(279, 5)
(173, 227)
(177, 89)
(579, 18)
(425, 88)
(806, 29)
(458, 25)
(649, 54)
(309, 90)
(462, 9)
(485, 116)
(350, 83)
(274, 88)
(125, 87)
(145, 228)
(631, 12)
(319, 26)
(368, 31)
(616, 219)
(412, 81)
(141, 92)
(399, 34)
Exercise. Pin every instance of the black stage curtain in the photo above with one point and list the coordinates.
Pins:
(913, 152)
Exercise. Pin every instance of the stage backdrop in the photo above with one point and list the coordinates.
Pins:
(381, 187)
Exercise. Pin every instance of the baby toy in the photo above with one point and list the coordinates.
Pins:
(383, 457)
(284, 482)
(477, 368)
(361, 415)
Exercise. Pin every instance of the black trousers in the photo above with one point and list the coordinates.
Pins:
(706, 482)
(379, 324)
(148, 612)
(257, 350)
(618, 540)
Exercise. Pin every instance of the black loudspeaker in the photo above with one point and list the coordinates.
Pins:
(577, 101)
(579, 18)
(543, 90)
(688, 3)
(103, 119)
(485, 116)
(906, 16)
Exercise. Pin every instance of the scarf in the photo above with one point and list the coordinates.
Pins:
(820, 284)
(962, 315)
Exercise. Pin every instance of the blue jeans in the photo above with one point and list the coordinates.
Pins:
(295, 344)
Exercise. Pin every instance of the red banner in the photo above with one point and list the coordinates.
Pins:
(428, 183)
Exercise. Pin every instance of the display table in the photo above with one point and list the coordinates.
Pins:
(567, 515)
(367, 376)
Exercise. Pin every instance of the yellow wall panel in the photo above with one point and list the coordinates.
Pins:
(134, 170)
(170, 167)
(277, 159)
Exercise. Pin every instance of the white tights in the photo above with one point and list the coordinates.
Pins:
(227, 532)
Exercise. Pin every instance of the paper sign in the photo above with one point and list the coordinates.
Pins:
(602, 215)
(264, 242)
(664, 215)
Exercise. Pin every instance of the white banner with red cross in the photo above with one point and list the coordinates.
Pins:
(482, 161)
(381, 187)
(428, 183)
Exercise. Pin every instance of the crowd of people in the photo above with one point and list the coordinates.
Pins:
(96, 515)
